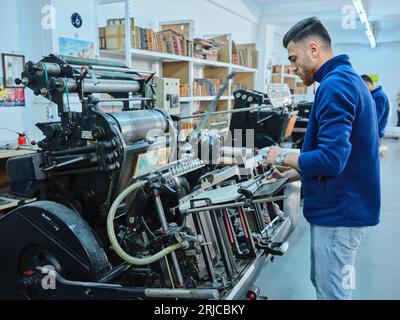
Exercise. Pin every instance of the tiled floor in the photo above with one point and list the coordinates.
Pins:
(378, 259)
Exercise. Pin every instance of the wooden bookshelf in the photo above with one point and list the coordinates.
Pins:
(183, 67)
(176, 69)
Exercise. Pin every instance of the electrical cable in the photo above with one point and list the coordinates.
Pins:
(113, 239)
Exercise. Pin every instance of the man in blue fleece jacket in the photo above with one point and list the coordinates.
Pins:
(339, 161)
(381, 103)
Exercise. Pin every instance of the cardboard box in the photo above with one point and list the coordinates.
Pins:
(115, 34)
(300, 88)
(276, 78)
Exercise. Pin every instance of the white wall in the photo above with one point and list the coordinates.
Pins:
(383, 60)
(22, 32)
(10, 117)
(64, 10)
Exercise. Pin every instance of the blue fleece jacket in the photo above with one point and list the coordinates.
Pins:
(339, 161)
(382, 109)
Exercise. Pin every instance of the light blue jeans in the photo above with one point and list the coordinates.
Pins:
(333, 254)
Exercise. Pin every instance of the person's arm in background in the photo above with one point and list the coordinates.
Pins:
(382, 104)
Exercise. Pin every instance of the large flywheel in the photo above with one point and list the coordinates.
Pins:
(47, 234)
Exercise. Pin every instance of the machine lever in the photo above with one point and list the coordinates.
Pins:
(277, 248)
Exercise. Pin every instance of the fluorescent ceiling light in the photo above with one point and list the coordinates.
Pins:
(360, 10)
(358, 5)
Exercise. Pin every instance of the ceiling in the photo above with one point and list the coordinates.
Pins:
(384, 14)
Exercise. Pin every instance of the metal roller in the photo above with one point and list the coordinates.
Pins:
(103, 86)
(93, 62)
(136, 125)
(53, 69)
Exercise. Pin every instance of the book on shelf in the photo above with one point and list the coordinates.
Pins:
(166, 41)
(184, 90)
(245, 55)
(276, 68)
(238, 86)
(102, 38)
(286, 69)
(206, 87)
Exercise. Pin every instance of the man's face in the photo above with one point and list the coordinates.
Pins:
(302, 61)
(369, 85)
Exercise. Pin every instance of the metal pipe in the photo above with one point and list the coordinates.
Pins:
(66, 163)
(74, 150)
(234, 205)
(227, 111)
(93, 62)
(123, 99)
(204, 250)
(222, 244)
(116, 272)
(182, 293)
(164, 225)
(116, 69)
(211, 108)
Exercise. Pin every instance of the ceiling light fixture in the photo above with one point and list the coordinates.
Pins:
(358, 5)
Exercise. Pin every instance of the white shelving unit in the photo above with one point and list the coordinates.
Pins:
(183, 66)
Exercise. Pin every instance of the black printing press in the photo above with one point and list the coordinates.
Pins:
(124, 210)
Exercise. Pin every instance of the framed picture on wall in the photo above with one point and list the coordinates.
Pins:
(13, 66)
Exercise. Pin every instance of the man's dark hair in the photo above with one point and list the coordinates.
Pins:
(310, 27)
(367, 79)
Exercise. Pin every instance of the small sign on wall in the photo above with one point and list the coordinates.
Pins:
(76, 20)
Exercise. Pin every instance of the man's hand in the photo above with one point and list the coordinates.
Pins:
(290, 160)
(292, 174)
(273, 153)
(276, 174)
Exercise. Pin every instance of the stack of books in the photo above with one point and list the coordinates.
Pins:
(247, 55)
(207, 49)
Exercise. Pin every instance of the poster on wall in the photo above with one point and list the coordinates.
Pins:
(11, 97)
(77, 48)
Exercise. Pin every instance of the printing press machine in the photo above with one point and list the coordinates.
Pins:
(126, 211)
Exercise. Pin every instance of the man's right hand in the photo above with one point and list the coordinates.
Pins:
(292, 174)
